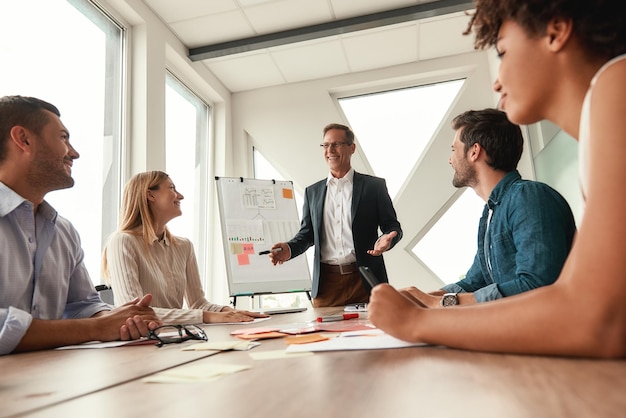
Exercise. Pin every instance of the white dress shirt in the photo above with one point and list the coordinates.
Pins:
(337, 243)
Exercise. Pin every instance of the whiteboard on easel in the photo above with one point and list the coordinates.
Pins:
(254, 215)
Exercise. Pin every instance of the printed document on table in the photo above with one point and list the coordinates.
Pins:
(355, 340)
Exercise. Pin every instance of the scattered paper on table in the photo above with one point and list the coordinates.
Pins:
(356, 340)
(253, 330)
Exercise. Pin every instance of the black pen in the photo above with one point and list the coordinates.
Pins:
(275, 250)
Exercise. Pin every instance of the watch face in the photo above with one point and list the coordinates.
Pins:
(449, 299)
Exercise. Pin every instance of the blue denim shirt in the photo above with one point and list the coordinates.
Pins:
(529, 237)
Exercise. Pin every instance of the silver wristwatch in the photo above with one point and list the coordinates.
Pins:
(449, 299)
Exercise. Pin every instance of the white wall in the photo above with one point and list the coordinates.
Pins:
(285, 123)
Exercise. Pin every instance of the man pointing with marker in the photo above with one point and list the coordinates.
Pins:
(341, 216)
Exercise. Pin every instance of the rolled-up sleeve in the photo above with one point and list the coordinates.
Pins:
(13, 326)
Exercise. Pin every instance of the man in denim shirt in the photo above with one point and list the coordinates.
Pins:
(527, 228)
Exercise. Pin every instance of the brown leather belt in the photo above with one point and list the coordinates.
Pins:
(339, 268)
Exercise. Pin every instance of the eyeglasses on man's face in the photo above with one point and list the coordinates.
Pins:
(333, 145)
(175, 334)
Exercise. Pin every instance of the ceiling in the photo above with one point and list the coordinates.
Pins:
(250, 44)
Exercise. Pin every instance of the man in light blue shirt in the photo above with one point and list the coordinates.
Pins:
(46, 296)
(527, 228)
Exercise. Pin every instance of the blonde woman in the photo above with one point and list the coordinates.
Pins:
(144, 257)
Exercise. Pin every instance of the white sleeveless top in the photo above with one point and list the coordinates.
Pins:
(584, 134)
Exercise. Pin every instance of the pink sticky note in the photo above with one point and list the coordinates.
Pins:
(248, 248)
(243, 259)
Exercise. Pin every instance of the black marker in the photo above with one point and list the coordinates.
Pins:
(369, 276)
(275, 250)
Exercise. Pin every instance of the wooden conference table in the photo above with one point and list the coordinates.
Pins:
(422, 381)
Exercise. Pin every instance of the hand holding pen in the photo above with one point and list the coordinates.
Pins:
(279, 253)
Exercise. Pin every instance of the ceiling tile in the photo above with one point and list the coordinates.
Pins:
(287, 14)
(213, 29)
(443, 36)
(344, 9)
(248, 3)
(311, 60)
(382, 48)
(246, 72)
(174, 11)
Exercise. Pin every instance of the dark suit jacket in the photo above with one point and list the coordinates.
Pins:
(371, 208)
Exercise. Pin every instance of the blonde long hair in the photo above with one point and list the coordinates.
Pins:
(136, 217)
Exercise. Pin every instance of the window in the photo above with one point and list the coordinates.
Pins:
(186, 150)
(394, 127)
(69, 53)
(449, 246)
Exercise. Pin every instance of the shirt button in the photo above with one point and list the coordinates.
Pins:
(30, 239)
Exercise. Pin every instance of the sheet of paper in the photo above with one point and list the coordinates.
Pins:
(253, 330)
(194, 373)
(337, 326)
(357, 340)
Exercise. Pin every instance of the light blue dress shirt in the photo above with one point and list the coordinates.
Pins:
(42, 274)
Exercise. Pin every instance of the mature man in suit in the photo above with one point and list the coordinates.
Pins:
(341, 217)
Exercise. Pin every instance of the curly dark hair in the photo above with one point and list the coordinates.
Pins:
(598, 24)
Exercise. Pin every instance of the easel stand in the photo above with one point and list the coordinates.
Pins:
(252, 295)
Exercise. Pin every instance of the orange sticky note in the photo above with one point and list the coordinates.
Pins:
(287, 193)
(303, 339)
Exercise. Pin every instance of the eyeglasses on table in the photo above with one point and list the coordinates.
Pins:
(176, 334)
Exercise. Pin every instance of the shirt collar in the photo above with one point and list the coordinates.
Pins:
(348, 177)
(502, 187)
(165, 240)
(9, 201)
